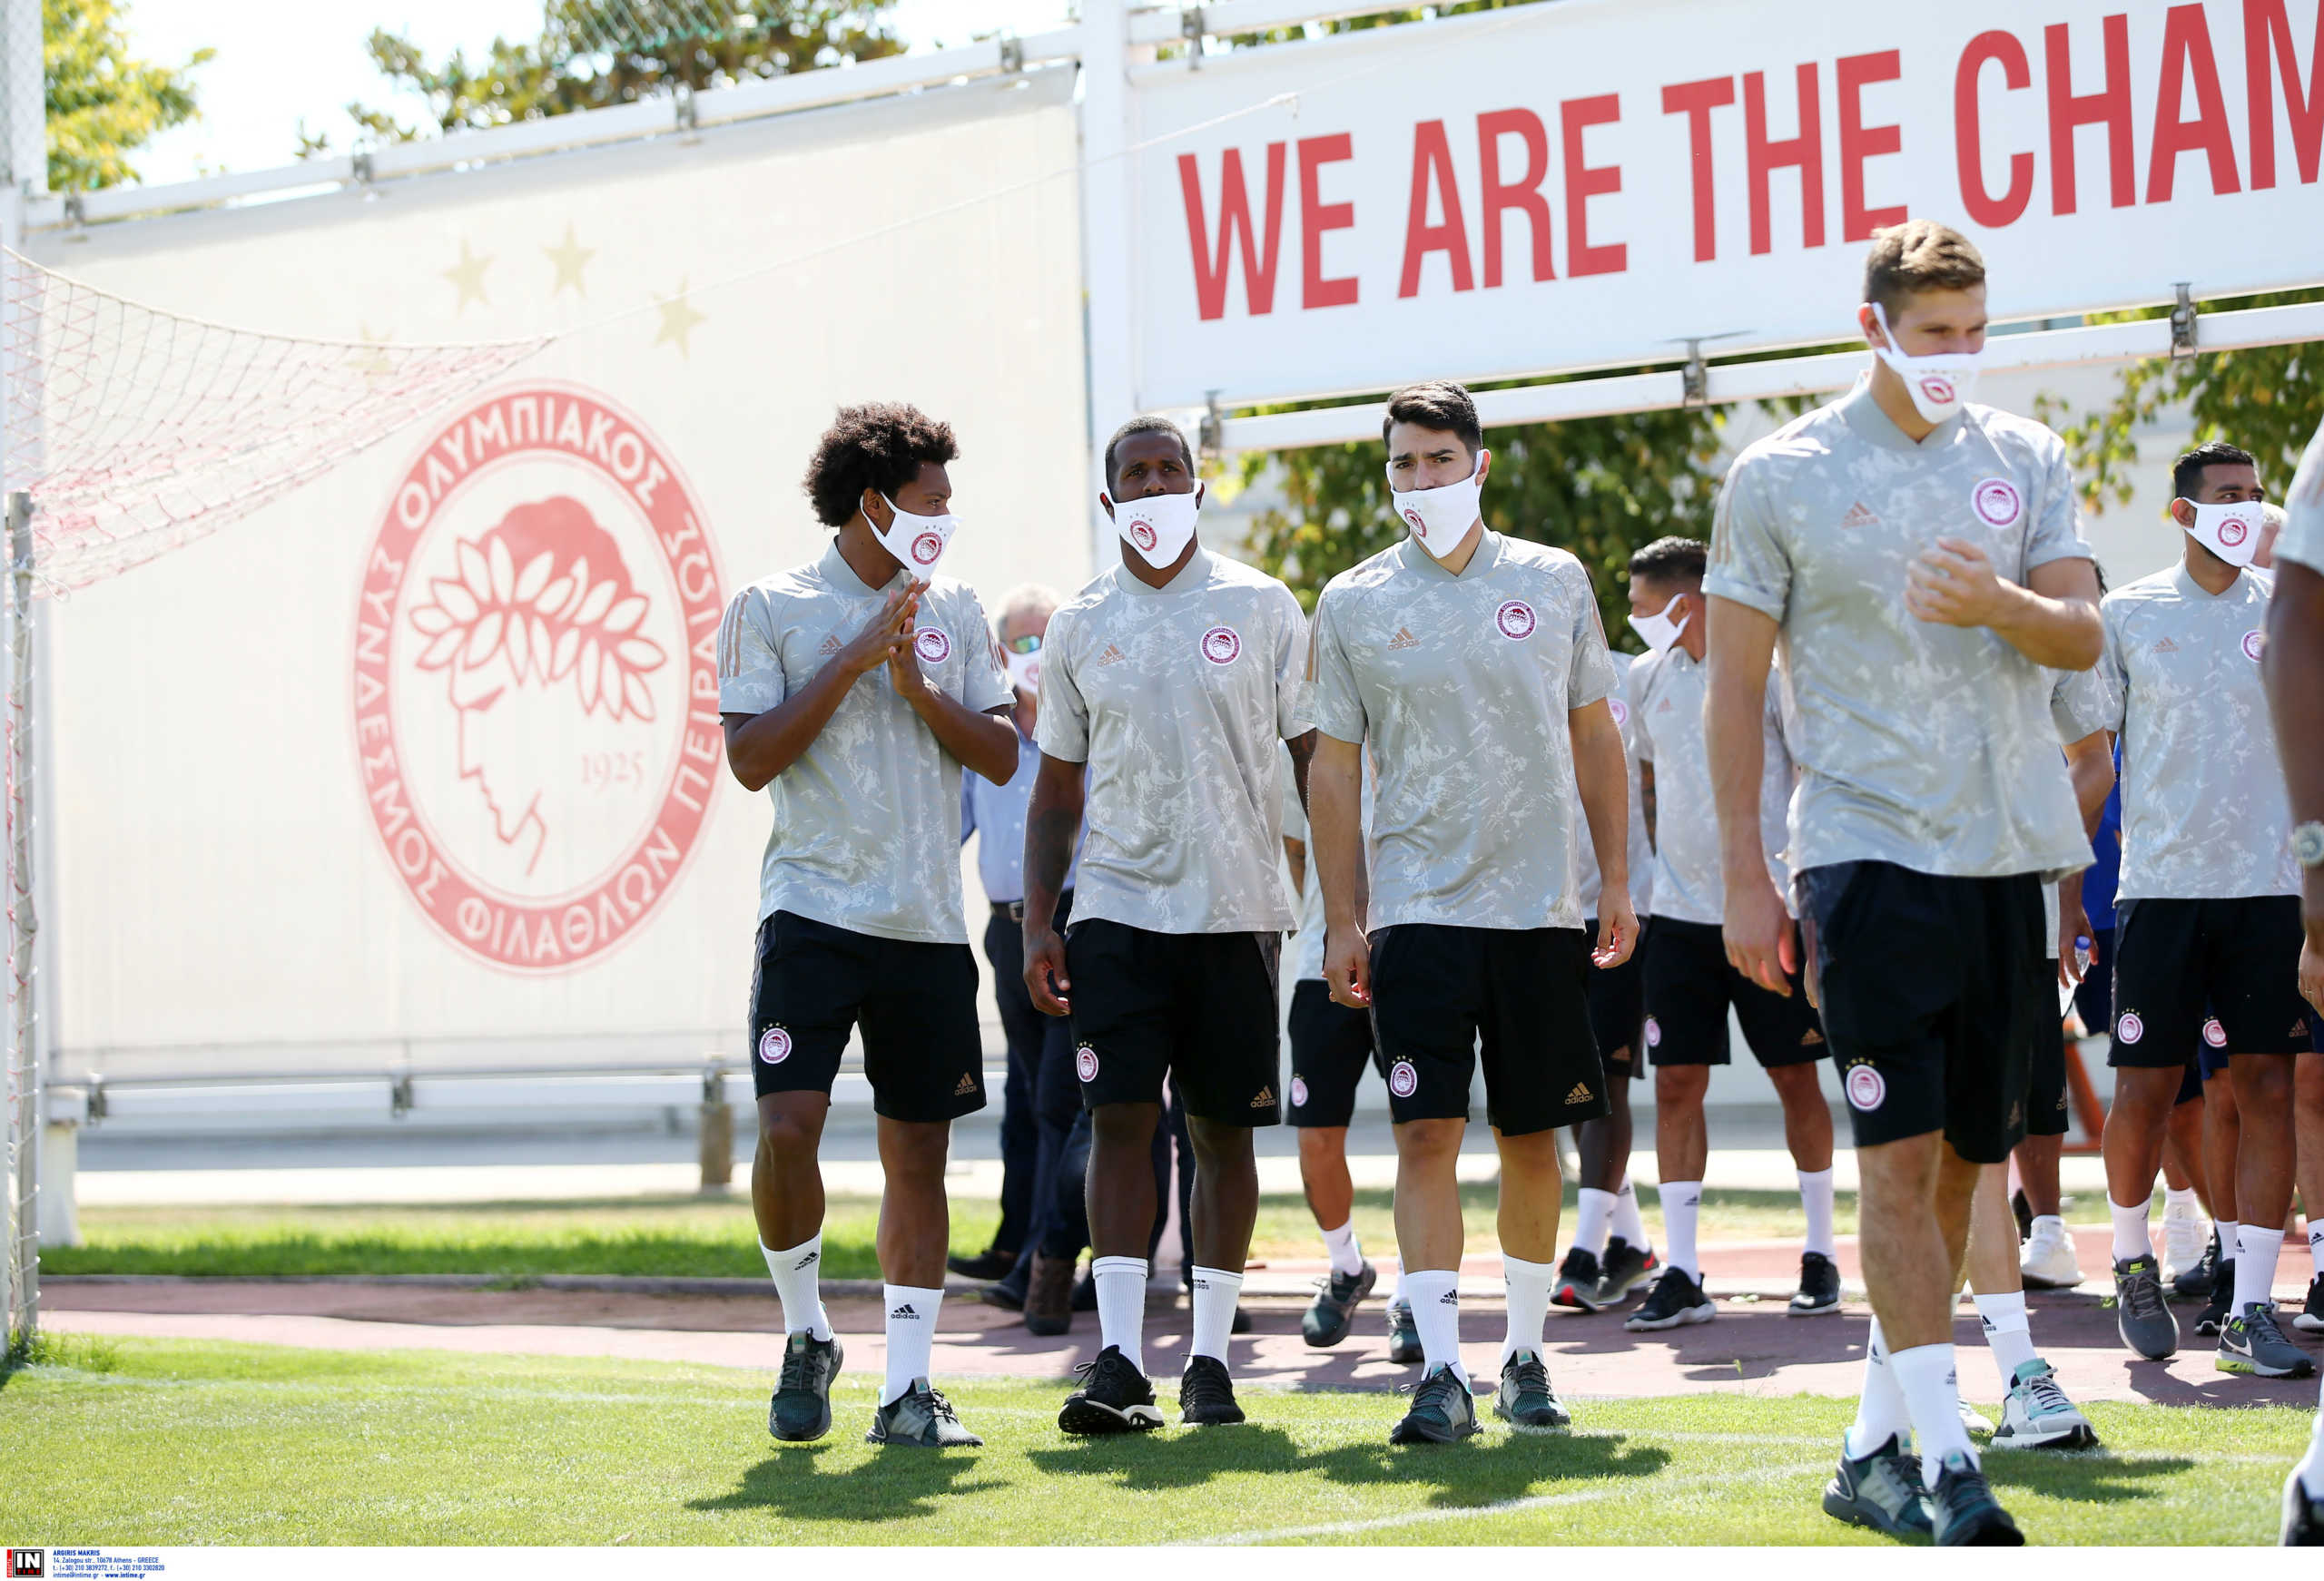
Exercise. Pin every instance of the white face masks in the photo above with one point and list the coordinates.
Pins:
(2231, 532)
(1159, 526)
(1940, 385)
(1659, 630)
(918, 541)
(1025, 672)
(1439, 518)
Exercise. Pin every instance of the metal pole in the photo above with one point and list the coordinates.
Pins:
(26, 924)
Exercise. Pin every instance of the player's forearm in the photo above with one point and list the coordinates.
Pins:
(1335, 834)
(1302, 752)
(2294, 673)
(1733, 707)
(760, 748)
(1605, 785)
(1052, 821)
(985, 743)
(1647, 807)
(2057, 633)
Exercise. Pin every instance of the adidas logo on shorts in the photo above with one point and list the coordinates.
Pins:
(1811, 1039)
(1265, 1100)
(1580, 1094)
(967, 1085)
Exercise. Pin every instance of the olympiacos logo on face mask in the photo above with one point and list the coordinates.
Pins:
(926, 548)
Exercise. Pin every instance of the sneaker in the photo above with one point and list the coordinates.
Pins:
(2037, 1415)
(1965, 1510)
(1403, 1335)
(2196, 1282)
(1442, 1412)
(1973, 1421)
(1674, 1301)
(1882, 1490)
(1326, 1323)
(2185, 1245)
(2310, 1318)
(2145, 1324)
(987, 1265)
(1627, 1267)
(2047, 1260)
(922, 1418)
(2303, 1517)
(1207, 1395)
(2251, 1342)
(1577, 1286)
(800, 1411)
(1049, 1296)
(1114, 1397)
(2223, 1302)
(1526, 1401)
(1008, 1294)
(1820, 1286)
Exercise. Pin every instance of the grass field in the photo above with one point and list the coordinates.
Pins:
(161, 1442)
(677, 1236)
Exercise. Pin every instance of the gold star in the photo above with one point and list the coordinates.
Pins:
(569, 259)
(678, 320)
(372, 363)
(468, 277)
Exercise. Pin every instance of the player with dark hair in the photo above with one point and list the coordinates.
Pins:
(1166, 683)
(854, 689)
(1920, 559)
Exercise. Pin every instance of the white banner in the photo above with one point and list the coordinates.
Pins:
(1588, 183)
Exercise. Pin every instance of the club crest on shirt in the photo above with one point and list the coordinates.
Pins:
(1220, 645)
(1996, 502)
(1086, 1063)
(2214, 1034)
(1516, 620)
(932, 645)
(775, 1045)
(2254, 644)
(1402, 1079)
(2130, 1028)
(1866, 1089)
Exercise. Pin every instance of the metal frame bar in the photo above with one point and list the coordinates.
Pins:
(24, 1077)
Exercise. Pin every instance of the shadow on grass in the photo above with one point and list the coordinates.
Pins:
(2094, 1479)
(896, 1485)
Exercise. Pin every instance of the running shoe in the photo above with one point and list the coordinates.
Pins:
(1965, 1511)
(2195, 1282)
(1819, 1287)
(2145, 1324)
(2251, 1342)
(2310, 1318)
(1882, 1490)
(1207, 1395)
(2303, 1516)
(1403, 1335)
(921, 1418)
(2037, 1415)
(1973, 1421)
(800, 1411)
(2047, 1260)
(1114, 1397)
(2185, 1245)
(1441, 1412)
(1577, 1286)
(2217, 1309)
(1526, 1401)
(989, 1264)
(1627, 1267)
(1326, 1323)
(1674, 1302)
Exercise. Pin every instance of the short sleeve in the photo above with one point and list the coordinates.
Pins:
(2112, 674)
(1590, 673)
(1750, 563)
(1337, 706)
(750, 666)
(2055, 531)
(2079, 706)
(983, 686)
(2302, 538)
(1295, 713)
(1063, 730)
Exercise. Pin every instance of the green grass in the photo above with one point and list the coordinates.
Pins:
(670, 1237)
(166, 1442)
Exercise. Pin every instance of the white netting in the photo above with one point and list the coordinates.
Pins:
(135, 431)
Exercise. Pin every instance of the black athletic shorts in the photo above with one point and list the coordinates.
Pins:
(1616, 996)
(2046, 1113)
(1929, 986)
(1196, 1007)
(1689, 984)
(916, 1004)
(1330, 1045)
(2178, 963)
(1437, 991)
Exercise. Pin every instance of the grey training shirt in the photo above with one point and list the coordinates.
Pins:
(1462, 685)
(1689, 884)
(2302, 538)
(1588, 881)
(1921, 744)
(867, 821)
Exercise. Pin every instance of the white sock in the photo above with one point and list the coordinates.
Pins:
(2316, 1246)
(1216, 1293)
(1435, 1297)
(2311, 1465)
(1627, 1222)
(2049, 1227)
(798, 1286)
(1880, 1411)
(2130, 1237)
(1816, 1196)
(1122, 1305)
(1347, 1257)
(2255, 1266)
(1933, 1395)
(2229, 1233)
(1681, 1200)
(911, 1335)
(2181, 1205)
(1593, 1219)
(1529, 1305)
(2009, 1334)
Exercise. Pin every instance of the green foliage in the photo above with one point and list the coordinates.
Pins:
(566, 69)
(2267, 399)
(103, 105)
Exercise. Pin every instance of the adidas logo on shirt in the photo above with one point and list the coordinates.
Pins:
(2165, 646)
(832, 644)
(1112, 655)
(1265, 1100)
(967, 1085)
(1580, 1094)
(1859, 516)
(1402, 639)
